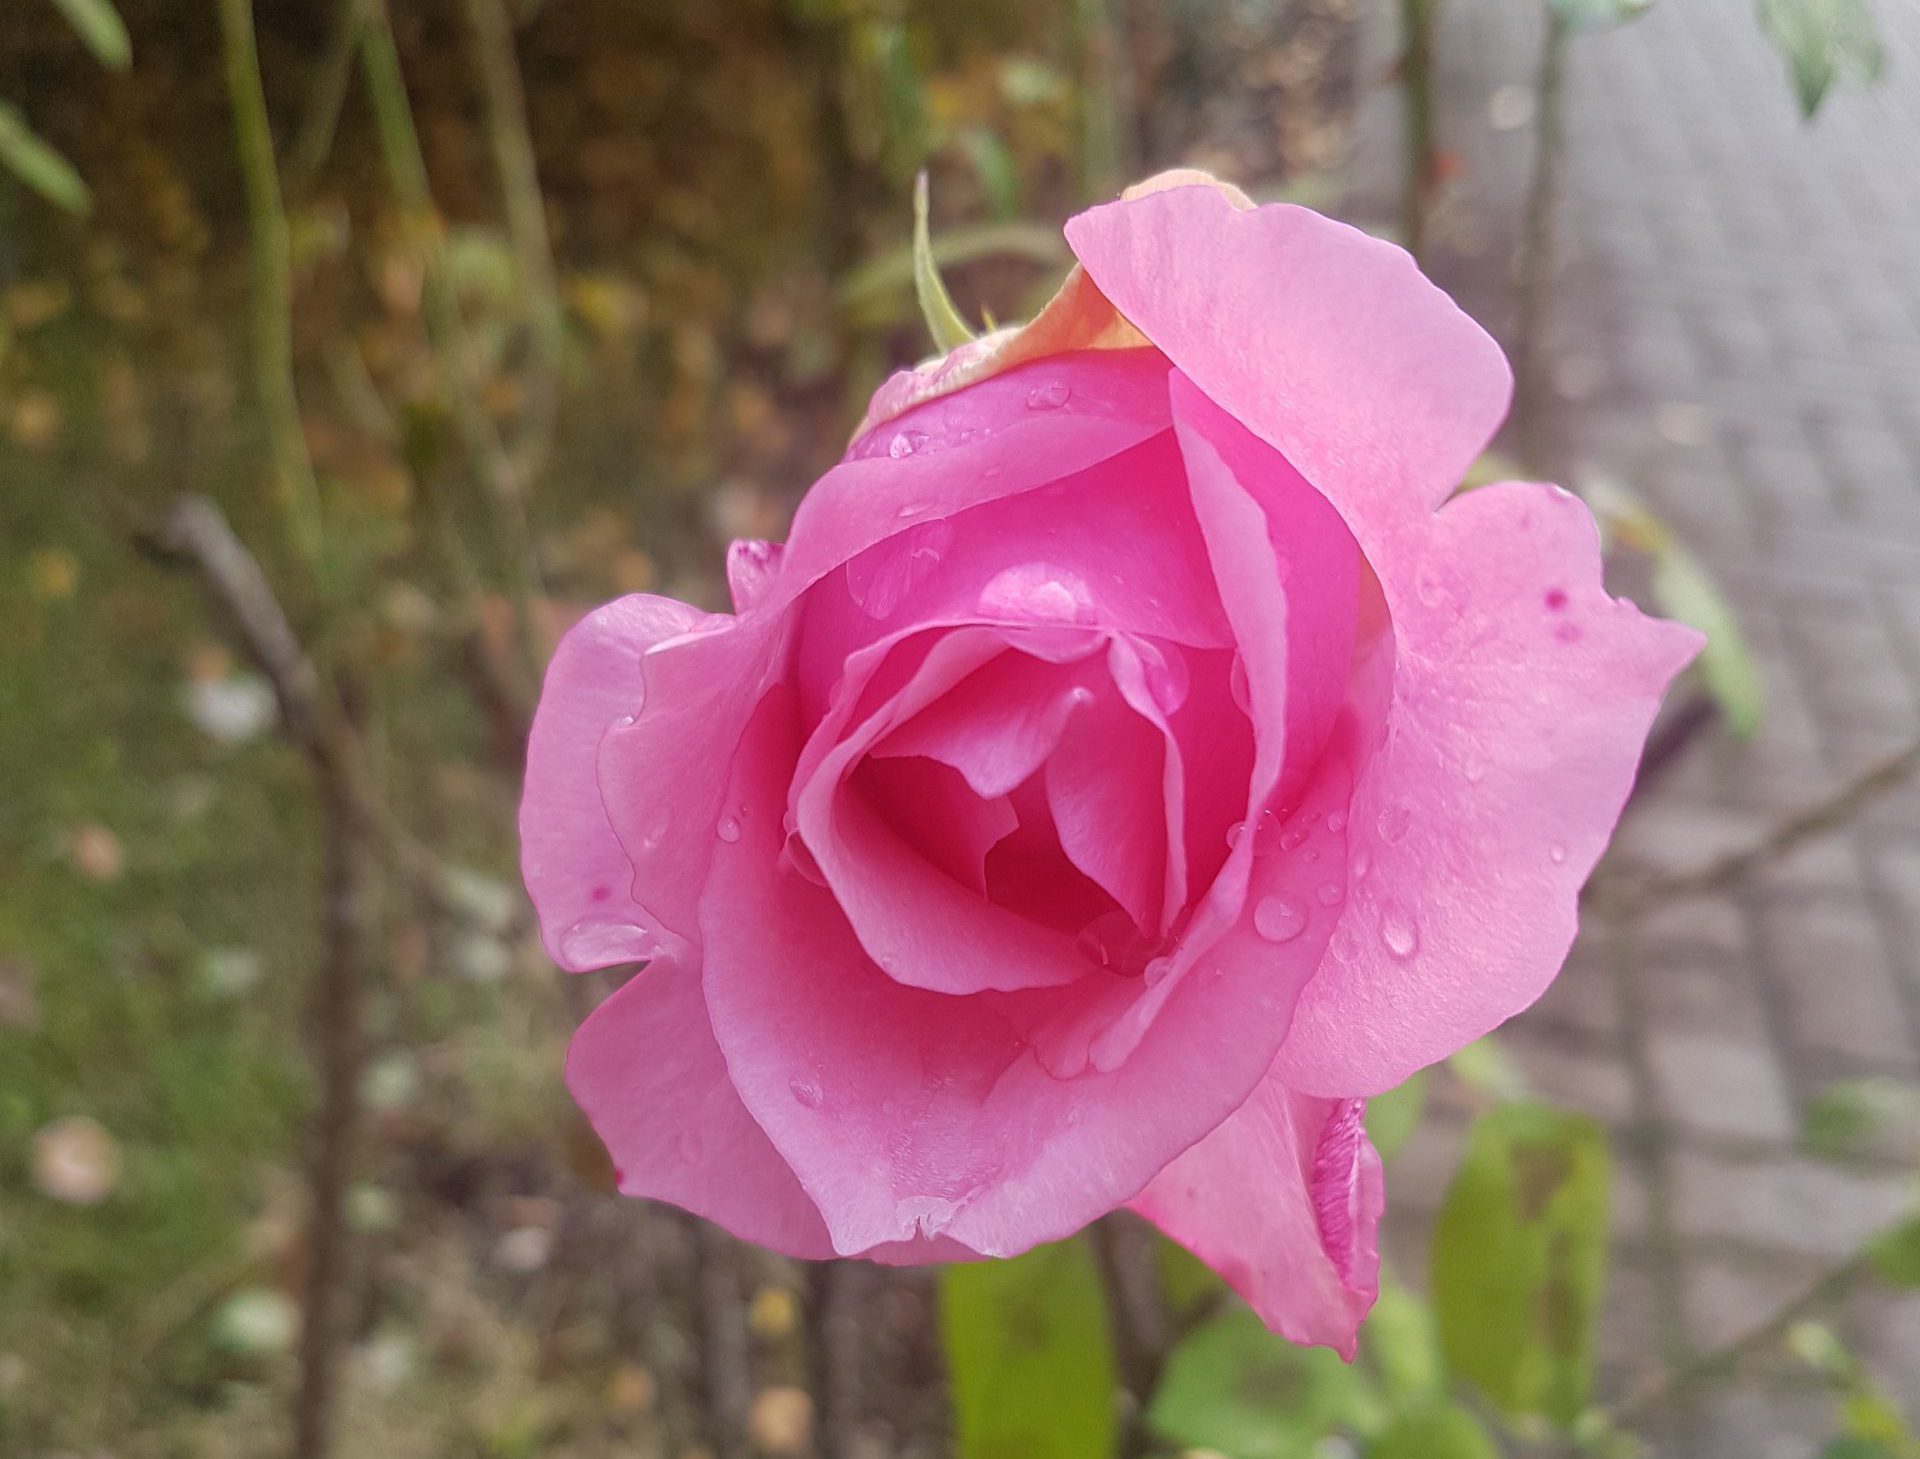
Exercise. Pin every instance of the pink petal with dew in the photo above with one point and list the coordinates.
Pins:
(580, 880)
(647, 1074)
(1520, 692)
(1284, 1201)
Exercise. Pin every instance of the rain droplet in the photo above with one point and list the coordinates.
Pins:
(1237, 683)
(1235, 832)
(1395, 822)
(1557, 853)
(1157, 970)
(1050, 396)
(1330, 895)
(911, 509)
(1279, 918)
(1337, 821)
(905, 443)
(1294, 835)
(623, 721)
(805, 1090)
(729, 829)
(1397, 930)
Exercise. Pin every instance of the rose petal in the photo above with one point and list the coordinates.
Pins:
(579, 878)
(1284, 1201)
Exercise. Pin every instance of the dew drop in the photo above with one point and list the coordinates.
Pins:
(1397, 930)
(911, 509)
(1156, 971)
(1557, 854)
(623, 721)
(1336, 821)
(1050, 396)
(806, 1091)
(1279, 918)
(905, 443)
(1330, 894)
(1294, 835)
(1234, 833)
(729, 829)
(1237, 683)
(1395, 821)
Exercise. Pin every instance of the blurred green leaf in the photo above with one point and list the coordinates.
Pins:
(1850, 1112)
(1394, 1116)
(1519, 1259)
(1485, 1066)
(1402, 1342)
(1823, 41)
(1896, 1253)
(1436, 1431)
(1185, 1281)
(861, 286)
(100, 29)
(1853, 1447)
(936, 305)
(36, 164)
(1685, 589)
(1594, 14)
(1029, 1355)
(999, 174)
(1235, 1388)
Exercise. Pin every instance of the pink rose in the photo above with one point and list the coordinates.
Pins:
(1131, 761)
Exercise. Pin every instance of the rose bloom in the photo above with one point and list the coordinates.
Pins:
(1132, 760)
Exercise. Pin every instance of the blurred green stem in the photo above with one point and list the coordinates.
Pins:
(1539, 238)
(272, 288)
(1419, 148)
(512, 142)
(1106, 161)
(407, 169)
(322, 119)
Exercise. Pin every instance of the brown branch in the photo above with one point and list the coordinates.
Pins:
(1636, 894)
(833, 1340)
(1124, 1249)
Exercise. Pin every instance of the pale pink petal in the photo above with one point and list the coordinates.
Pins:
(579, 878)
(1284, 1201)
(751, 567)
(1521, 696)
(1328, 344)
(647, 1074)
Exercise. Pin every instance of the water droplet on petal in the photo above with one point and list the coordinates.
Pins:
(1237, 682)
(905, 443)
(729, 829)
(1336, 821)
(1050, 396)
(1397, 930)
(1157, 970)
(1234, 833)
(1294, 835)
(1395, 822)
(623, 721)
(1557, 853)
(1331, 894)
(806, 1091)
(1279, 918)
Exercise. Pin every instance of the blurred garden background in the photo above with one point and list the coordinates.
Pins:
(349, 350)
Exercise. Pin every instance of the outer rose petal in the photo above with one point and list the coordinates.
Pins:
(1284, 1201)
(1519, 694)
(646, 1072)
(580, 880)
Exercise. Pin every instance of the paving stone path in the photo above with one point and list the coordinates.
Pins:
(1737, 336)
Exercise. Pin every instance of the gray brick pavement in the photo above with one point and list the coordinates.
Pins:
(1737, 334)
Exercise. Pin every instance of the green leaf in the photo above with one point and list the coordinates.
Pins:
(1848, 1113)
(999, 174)
(1394, 1116)
(1485, 1066)
(1186, 1282)
(100, 29)
(1520, 1256)
(1594, 14)
(1402, 1343)
(1856, 1448)
(1436, 1431)
(1823, 41)
(1029, 1356)
(37, 165)
(936, 305)
(1896, 1253)
(1235, 1388)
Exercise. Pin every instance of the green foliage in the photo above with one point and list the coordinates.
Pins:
(1394, 1116)
(1437, 1430)
(1823, 41)
(1402, 1344)
(1896, 1253)
(1849, 1113)
(1594, 14)
(1519, 1259)
(1029, 1356)
(28, 157)
(1235, 1388)
(1483, 1065)
(936, 304)
(100, 29)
